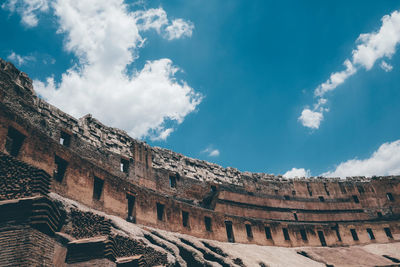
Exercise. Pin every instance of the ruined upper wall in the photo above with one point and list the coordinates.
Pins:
(206, 171)
(19, 95)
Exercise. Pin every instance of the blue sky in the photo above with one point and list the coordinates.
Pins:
(233, 82)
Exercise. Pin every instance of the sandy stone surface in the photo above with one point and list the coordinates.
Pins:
(234, 254)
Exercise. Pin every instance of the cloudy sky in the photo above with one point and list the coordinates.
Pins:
(297, 88)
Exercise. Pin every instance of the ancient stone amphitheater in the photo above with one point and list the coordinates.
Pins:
(74, 192)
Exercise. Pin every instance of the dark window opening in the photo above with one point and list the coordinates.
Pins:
(276, 191)
(131, 206)
(356, 200)
(370, 234)
(61, 167)
(160, 211)
(172, 181)
(388, 232)
(326, 189)
(309, 189)
(213, 188)
(322, 238)
(124, 165)
(65, 139)
(293, 192)
(338, 234)
(303, 234)
(342, 188)
(249, 232)
(390, 196)
(354, 234)
(360, 189)
(286, 197)
(229, 231)
(295, 217)
(303, 253)
(285, 233)
(379, 214)
(207, 222)
(322, 199)
(268, 234)
(395, 260)
(97, 188)
(14, 141)
(185, 219)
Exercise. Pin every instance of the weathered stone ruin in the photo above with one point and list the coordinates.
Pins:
(74, 192)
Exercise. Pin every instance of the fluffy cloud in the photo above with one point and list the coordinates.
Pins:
(157, 19)
(27, 9)
(154, 18)
(370, 48)
(162, 134)
(105, 37)
(376, 45)
(336, 79)
(139, 104)
(19, 60)
(385, 66)
(214, 153)
(178, 29)
(384, 161)
(311, 119)
(211, 152)
(294, 172)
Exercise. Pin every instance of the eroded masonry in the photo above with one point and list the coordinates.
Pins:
(46, 154)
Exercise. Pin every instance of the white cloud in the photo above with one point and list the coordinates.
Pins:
(311, 119)
(162, 134)
(178, 29)
(211, 152)
(376, 45)
(384, 161)
(214, 153)
(157, 19)
(19, 60)
(27, 9)
(336, 79)
(154, 18)
(371, 47)
(105, 37)
(385, 66)
(294, 172)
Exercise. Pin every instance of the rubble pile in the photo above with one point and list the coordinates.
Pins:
(19, 180)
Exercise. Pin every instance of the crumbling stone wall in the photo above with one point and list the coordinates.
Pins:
(128, 247)
(22, 245)
(86, 224)
(200, 189)
(18, 179)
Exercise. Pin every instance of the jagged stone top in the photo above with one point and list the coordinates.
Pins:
(206, 171)
(118, 141)
(8, 72)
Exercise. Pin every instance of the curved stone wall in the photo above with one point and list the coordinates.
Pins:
(104, 168)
